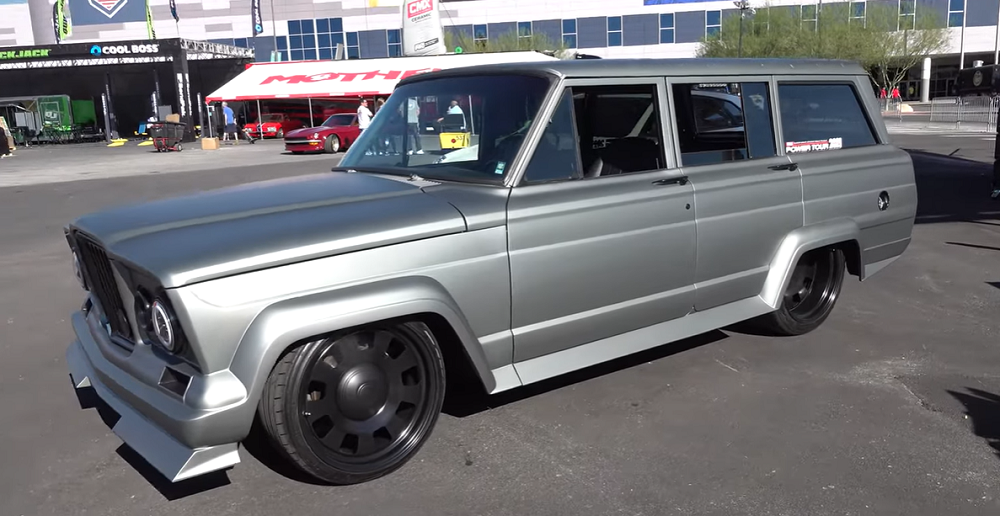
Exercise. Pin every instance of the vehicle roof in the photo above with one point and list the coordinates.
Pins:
(646, 67)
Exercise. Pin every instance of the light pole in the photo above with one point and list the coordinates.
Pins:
(743, 6)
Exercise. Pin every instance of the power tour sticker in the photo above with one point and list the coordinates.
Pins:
(814, 145)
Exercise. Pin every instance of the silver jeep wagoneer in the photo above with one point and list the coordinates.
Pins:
(590, 209)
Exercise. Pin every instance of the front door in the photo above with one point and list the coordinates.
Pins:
(601, 230)
(748, 195)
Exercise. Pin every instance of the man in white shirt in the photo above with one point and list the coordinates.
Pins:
(364, 115)
(454, 109)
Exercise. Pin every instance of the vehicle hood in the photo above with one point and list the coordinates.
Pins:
(309, 131)
(264, 124)
(218, 233)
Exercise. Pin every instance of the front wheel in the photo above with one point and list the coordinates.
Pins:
(810, 295)
(281, 134)
(357, 405)
(332, 144)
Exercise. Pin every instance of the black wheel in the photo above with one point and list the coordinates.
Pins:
(281, 134)
(332, 144)
(357, 405)
(179, 147)
(811, 293)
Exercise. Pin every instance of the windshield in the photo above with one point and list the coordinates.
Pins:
(339, 119)
(270, 118)
(453, 128)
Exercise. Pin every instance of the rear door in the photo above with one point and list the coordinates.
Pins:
(848, 167)
(748, 195)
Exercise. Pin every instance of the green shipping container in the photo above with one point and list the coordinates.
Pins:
(83, 112)
(55, 112)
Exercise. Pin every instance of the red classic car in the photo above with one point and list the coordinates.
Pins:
(336, 133)
(273, 125)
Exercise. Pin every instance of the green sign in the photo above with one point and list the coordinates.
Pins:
(30, 53)
(458, 50)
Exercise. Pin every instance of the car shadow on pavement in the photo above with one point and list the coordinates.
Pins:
(983, 409)
(461, 401)
(88, 399)
(953, 190)
(995, 284)
(172, 490)
(258, 445)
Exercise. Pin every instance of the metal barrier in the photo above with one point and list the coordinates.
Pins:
(974, 114)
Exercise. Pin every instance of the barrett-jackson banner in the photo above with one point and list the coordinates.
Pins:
(61, 20)
(150, 31)
(258, 24)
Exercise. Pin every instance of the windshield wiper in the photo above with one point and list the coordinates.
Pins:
(372, 170)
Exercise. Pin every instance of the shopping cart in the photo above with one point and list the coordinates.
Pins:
(166, 136)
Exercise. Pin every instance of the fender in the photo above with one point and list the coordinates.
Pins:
(798, 242)
(286, 322)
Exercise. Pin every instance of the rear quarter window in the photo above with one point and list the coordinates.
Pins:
(822, 117)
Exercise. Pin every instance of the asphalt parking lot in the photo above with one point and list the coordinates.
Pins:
(891, 408)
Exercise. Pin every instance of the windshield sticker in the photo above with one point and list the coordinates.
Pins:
(814, 145)
(500, 166)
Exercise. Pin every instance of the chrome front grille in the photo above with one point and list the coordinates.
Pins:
(101, 281)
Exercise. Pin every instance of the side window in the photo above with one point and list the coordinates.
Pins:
(822, 117)
(718, 126)
(600, 131)
(557, 156)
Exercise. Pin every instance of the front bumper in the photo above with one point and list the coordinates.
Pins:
(303, 145)
(182, 436)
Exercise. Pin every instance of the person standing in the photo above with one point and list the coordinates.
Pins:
(230, 123)
(364, 115)
(6, 139)
(413, 125)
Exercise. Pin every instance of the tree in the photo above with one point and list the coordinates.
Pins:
(507, 42)
(885, 39)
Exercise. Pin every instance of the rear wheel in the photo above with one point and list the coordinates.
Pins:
(357, 405)
(332, 144)
(810, 295)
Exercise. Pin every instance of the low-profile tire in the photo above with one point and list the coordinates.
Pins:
(356, 405)
(332, 144)
(810, 295)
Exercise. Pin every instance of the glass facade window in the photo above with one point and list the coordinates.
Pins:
(283, 48)
(241, 42)
(956, 13)
(480, 35)
(524, 29)
(395, 42)
(329, 32)
(353, 48)
(857, 11)
(569, 33)
(907, 14)
(614, 31)
(713, 23)
(809, 17)
(667, 28)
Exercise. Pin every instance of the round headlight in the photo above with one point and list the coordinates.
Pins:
(162, 325)
(315, 136)
(78, 270)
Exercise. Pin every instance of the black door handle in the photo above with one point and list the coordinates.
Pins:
(787, 166)
(679, 180)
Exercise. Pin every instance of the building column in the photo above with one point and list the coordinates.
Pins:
(925, 81)
(184, 108)
(42, 31)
